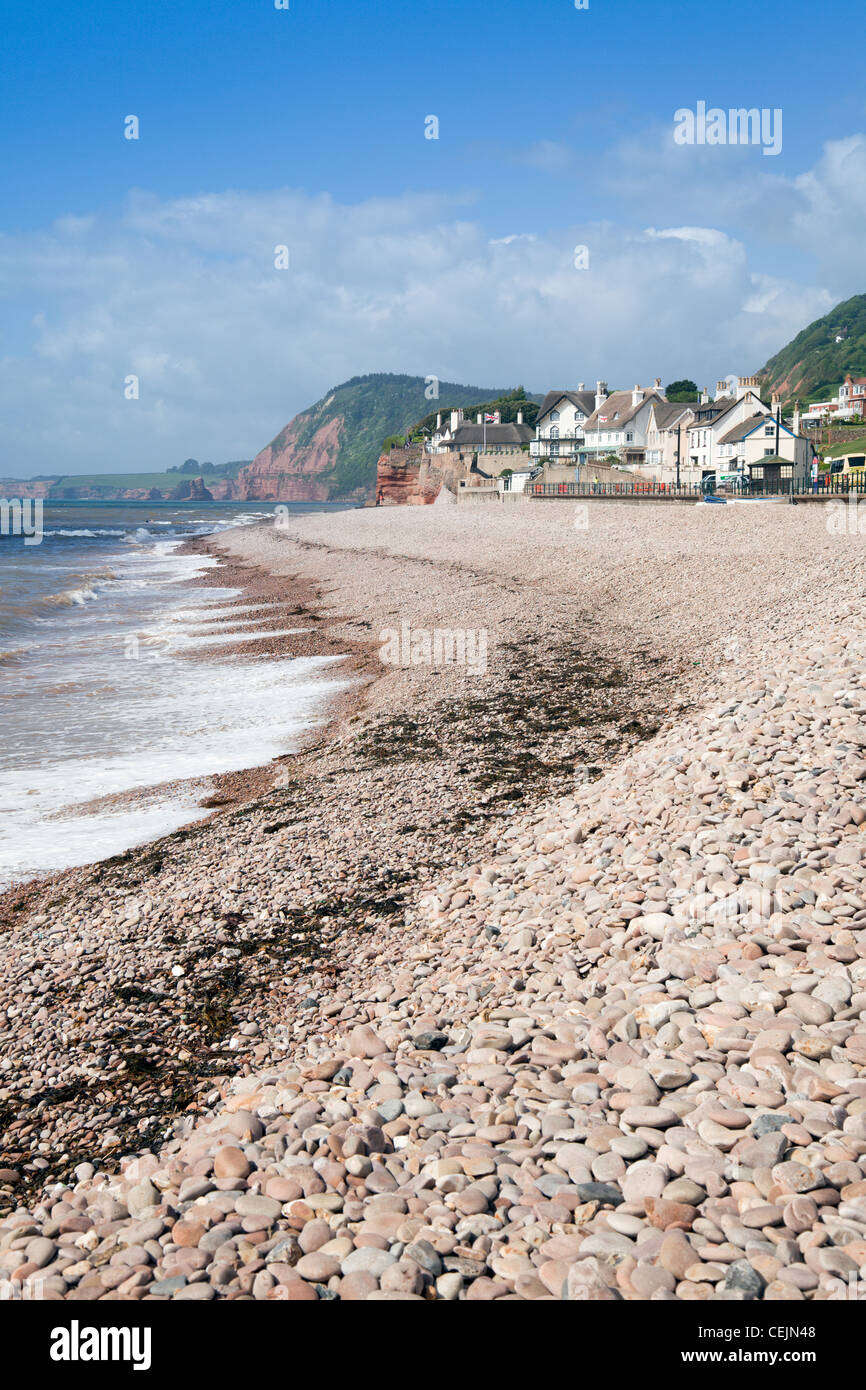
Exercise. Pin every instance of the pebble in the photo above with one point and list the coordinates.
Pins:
(616, 1051)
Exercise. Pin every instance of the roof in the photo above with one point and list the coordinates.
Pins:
(619, 404)
(471, 435)
(711, 411)
(715, 411)
(740, 431)
(584, 400)
(666, 412)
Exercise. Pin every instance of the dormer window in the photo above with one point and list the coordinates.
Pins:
(554, 414)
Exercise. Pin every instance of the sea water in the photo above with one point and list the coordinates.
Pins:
(99, 701)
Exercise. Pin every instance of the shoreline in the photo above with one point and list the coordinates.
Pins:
(231, 788)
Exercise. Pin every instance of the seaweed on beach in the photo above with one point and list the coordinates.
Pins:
(541, 717)
(526, 732)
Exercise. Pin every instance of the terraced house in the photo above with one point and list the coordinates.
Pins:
(667, 443)
(619, 426)
(716, 418)
(765, 449)
(737, 434)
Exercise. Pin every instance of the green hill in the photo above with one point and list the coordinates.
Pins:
(330, 450)
(814, 364)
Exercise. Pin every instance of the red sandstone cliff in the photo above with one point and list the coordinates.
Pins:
(288, 470)
(399, 480)
(411, 477)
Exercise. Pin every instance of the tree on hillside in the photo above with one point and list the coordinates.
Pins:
(684, 391)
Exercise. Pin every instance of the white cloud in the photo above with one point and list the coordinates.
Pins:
(831, 212)
(184, 294)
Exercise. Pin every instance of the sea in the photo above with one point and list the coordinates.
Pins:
(97, 696)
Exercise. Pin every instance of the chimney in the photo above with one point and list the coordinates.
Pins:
(520, 417)
(705, 396)
(478, 418)
(721, 389)
(600, 393)
(657, 384)
(636, 396)
(746, 384)
(456, 419)
(775, 401)
(581, 387)
(796, 421)
(439, 420)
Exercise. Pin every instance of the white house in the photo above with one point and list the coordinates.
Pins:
(487, 439)
(746, 446)
(713, 419)
(559, 425)
(619, 426)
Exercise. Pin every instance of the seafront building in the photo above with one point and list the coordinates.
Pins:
(560, 423)
(618, 427)
(606, 436)
(849, 403)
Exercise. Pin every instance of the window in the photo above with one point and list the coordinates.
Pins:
(757, 472)
(768, 453)
(629, 439)
(769, 429)
(554, 431)
(787, 470)
(554, 414)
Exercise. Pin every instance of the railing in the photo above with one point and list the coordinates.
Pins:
(825, 486)
(550, 448)
(555, 438)
(647, 489)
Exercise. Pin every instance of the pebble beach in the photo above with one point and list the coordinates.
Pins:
(538, 983)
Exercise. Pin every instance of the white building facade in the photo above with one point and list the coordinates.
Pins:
(559, 425)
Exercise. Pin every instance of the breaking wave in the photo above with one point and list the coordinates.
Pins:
(70, 598)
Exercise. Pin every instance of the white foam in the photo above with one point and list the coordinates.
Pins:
(105, 721)
(172, 721)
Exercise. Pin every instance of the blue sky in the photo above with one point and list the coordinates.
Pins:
(453, 256)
